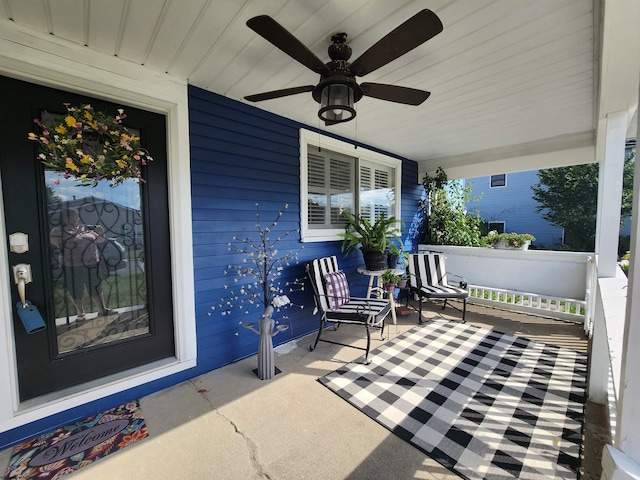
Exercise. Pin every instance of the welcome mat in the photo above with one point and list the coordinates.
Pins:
(486, 405)
(65, 450)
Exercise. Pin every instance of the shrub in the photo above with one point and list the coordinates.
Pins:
(445, 216)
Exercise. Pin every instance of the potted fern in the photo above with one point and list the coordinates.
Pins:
(390, 278)
(371, 238)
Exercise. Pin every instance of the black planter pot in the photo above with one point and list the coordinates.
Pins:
(392, 260)
(374, 259)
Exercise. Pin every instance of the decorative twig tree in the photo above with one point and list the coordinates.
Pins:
(258, 283)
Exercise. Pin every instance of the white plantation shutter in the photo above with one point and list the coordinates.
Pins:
(342, 184)
(382, 182)
(376, 190)
(330, 185)
(316, 180)
(366, 182)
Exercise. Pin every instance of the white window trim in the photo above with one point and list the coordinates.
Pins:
(57, 63)
(504, 224)
(322, 141)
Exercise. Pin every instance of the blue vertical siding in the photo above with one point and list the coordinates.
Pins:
(514, 205)
(412, 192)
(240, 156)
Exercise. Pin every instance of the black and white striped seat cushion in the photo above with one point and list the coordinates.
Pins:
(372, 310)
(443, 291)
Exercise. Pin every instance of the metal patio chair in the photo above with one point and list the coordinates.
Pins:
(428, 281)
(337, 306)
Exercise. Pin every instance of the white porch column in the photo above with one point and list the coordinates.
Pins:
(618, 93)
(610, 193)
(627, 437)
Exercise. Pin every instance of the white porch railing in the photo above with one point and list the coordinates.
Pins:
(605, 372)
(553, 284)
(536, 304)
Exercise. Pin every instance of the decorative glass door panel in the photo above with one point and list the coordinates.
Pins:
(97, 262)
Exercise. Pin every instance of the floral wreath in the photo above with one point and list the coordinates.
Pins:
(90, 146)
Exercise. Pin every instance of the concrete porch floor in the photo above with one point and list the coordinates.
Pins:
(227, 424)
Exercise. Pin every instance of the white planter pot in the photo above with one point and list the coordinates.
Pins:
(503, 245)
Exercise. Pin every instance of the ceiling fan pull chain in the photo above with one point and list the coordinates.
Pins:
(356, 134)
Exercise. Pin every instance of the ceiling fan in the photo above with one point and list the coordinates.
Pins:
(337, 91)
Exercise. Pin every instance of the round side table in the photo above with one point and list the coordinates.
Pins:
(374, 275)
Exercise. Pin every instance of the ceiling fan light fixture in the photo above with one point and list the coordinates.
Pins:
(336, 103)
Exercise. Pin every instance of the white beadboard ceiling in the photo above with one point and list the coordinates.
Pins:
(502, 75)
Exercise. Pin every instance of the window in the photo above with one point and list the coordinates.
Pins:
(331, 187)
(335, 176)
(498, 180)
(497, 226)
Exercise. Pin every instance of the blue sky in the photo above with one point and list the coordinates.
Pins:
(127, 193)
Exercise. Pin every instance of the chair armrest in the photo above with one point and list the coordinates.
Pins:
(418, 284)
(463, 281)
(415, 283)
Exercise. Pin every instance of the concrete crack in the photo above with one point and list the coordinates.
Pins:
(252, 448)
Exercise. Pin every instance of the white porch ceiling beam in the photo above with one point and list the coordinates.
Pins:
(619, 66)
(554, 152)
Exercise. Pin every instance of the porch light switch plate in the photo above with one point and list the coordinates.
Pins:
(19, 242)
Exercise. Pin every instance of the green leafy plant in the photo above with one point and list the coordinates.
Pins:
(359, 231)
(624, 263)
(568, 198)
(395, 249)
(444, 210)
(390, 277)
(515, 240)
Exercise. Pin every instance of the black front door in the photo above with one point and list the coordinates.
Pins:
(98, 257)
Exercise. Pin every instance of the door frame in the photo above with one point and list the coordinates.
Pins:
(56, 63)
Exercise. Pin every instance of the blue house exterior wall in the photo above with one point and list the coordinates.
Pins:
(240, 156)
(514, 205)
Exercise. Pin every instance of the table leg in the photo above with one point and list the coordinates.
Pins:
(392, 303)
(370, 288)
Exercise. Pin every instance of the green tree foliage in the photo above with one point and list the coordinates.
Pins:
(568, 198)
(445, 214)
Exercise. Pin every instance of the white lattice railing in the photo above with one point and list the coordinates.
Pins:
(563, 282)
(534, 303)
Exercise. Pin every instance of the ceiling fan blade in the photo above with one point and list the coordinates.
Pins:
(279, 36)
(258, 97)
(418, 29)
(394, 93)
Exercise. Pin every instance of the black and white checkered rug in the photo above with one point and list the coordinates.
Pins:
(484, 404)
